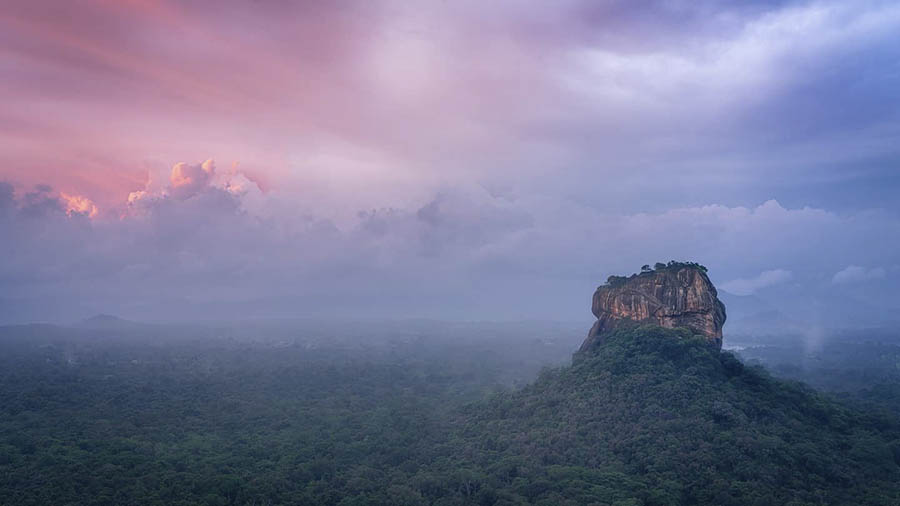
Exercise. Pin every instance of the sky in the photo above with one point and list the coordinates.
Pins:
(202, 160)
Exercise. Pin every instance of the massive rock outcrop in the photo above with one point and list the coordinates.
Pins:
(671, 295)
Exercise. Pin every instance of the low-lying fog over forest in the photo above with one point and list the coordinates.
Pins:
(447, 253)
(109, 411)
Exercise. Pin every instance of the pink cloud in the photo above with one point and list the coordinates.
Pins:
(367, 102)
(79, 204)
(186, 180)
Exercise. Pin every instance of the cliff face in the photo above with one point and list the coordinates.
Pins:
(680, 296)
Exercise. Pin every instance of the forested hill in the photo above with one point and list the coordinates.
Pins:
(657, 417)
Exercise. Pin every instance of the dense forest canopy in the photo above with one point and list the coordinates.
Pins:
(653, 417)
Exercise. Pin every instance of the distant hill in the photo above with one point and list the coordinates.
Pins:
(108, 322)
(102, 319)
(789, 309)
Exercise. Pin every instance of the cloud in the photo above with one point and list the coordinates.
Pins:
(765, 279)
(464, 252)
(79, 204)
(582, 98)
(186, 180)
(610, 134)
(857, 274)
(7, 196)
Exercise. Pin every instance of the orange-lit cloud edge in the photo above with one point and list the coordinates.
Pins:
(184, 181)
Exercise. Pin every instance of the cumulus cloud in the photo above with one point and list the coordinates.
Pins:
(79, 204)
(857, 274)
(186, 180)
(749, 286)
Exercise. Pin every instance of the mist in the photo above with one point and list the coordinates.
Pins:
(440, 253)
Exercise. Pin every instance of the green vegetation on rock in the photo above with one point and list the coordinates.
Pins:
(659, 266)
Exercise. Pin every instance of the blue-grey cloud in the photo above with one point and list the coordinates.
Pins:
(857, 274)
(765, 279)
(465, 253)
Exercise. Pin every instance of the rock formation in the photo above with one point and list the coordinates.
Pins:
(671, 295)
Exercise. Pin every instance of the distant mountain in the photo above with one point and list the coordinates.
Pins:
(742, 306)
(108, 322)
(103, 319)
(789, 309)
